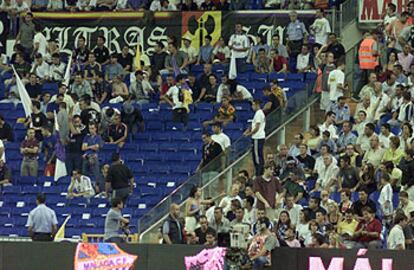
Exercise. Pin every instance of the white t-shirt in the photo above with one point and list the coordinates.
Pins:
(396, 237)
(259, 118)
(155, 5)
(221, 139)
(42, 71)
(382, 102)
(239, 42)
(173, 93)
(386, 195)
(335, 77)
(83, 185)
(244, 92)
(225, 203)
(41, 39)
(384, 140)
(23, 7)
(331, 129)
(121, 4)
(321, 28)
(3, 157)
(302, 61)
(191, 53)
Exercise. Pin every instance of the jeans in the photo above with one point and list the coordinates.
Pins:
(376, 244)
(122, 193)
(29, 167)
(257, 152)
(260, 262)
(73, 161)
(90, 166)
(241, 65)
(180, 116)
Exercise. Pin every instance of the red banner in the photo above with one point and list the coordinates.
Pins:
(373, 11)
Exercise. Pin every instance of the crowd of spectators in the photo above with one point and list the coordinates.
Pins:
(15, 8)
(335, 186)
(348, 181)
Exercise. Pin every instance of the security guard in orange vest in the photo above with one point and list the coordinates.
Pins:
(368, 53)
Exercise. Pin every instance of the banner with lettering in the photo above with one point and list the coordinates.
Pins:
(374, 11)
(207, 259)
(99, 256)
(128, 28)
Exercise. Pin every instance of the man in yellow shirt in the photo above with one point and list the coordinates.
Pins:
(348, 225)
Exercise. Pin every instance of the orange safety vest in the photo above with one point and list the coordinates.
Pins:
(366, 58)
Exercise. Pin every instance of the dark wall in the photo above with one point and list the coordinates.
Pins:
(60, 256)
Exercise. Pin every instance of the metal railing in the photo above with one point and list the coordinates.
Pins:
(216, 177)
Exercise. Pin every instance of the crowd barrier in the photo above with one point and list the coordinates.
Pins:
(26, 255)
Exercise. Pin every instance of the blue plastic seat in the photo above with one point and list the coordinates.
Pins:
(160, 137)
(203, 106)
(294, 77)
(12, 190)
(26, 180)
(149, 147)
(154, 126)
(31, 189)
(258, 77)
(280, 77)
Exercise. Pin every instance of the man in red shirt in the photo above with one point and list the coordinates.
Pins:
(279, 63)
(368, 231)
(269, 192)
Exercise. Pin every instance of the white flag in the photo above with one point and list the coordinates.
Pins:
(56, 121)
(233, 67)
(24, 96)
(60, 167)
(67, 72)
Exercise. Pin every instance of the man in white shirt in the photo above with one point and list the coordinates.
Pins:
(80, 186)
(175, 97)
(380, 101)
(219, 137)
(239, 45)
(41, 68)
(405, 204)
(396, 238)
(327, 176)
(304, 62)
(328, 125)
(257, 132)
(320, 28)
(42, 221)
(225, 203)
(293, 209)
(336, 82)
(39, 41)
(189, 50)
(375, 152)
(363, 142)
(385, 136)
(57, 68)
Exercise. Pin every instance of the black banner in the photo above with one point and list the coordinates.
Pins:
(128, 28)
